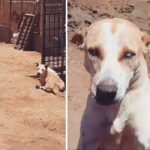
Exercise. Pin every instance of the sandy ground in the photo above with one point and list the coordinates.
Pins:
(30, 119)
(81, 14)
(78, 90)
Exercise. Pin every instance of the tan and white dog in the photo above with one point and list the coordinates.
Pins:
(49, 79)
(114, 58)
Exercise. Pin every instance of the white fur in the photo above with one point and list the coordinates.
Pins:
(97, 119)
(134, 111)
(49, 79)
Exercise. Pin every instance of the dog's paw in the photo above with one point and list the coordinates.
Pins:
(118, 125)
(113, 130)
(116, 135)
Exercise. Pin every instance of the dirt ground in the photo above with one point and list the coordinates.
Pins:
(78, 90)
(30, 119)
(81, 14)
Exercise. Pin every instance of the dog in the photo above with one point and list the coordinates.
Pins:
(49, 79)
(114, 58)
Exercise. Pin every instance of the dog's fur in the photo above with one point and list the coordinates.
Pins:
(49, 79)
(134, 111)
(115, 57)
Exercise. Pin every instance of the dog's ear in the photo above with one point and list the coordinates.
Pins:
(146, 39)
(146, 42)
(78, 37)
(46, 66)
(37, 64)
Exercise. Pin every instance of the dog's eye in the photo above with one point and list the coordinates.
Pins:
(93, 52)
(129, 55)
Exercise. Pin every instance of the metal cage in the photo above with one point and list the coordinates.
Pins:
(53, 52)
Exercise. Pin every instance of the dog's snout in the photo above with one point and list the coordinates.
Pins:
(107, 86)
(38, 74)
(106, 92)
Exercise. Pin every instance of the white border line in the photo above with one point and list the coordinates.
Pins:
(66, 98)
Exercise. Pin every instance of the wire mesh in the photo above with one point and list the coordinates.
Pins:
(54, 34)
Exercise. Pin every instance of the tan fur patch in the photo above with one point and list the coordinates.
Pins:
(114, 27)
(146, 39)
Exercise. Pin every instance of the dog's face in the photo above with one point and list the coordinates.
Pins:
(40, 69)
(113, 58)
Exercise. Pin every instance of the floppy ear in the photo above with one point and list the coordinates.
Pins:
(46, 66)
(78, 37)
(146, 39)
(146, 42)
(37, 64)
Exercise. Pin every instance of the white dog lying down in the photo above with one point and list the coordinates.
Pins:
(114, 57)
(49, 79)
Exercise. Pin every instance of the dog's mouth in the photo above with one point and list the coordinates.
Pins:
(38, 75)
(105, 98)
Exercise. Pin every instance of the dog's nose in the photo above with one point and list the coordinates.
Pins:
(106, 92)
(38, 75)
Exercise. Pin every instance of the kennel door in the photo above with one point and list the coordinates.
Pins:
(54, 34)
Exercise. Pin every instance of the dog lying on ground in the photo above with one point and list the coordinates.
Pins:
(114, 58)
(49, 79)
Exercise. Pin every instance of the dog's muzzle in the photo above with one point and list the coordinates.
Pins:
(38, 75)
(106, 92)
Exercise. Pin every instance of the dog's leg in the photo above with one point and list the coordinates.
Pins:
(56, 90)
(49, 87)
(123, 115)
(49, 90)
(118, 125)
(46, 89)
(120, 121)
(40, 87)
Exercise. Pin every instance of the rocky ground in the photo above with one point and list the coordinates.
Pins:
(30, 119)
(81, 14)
